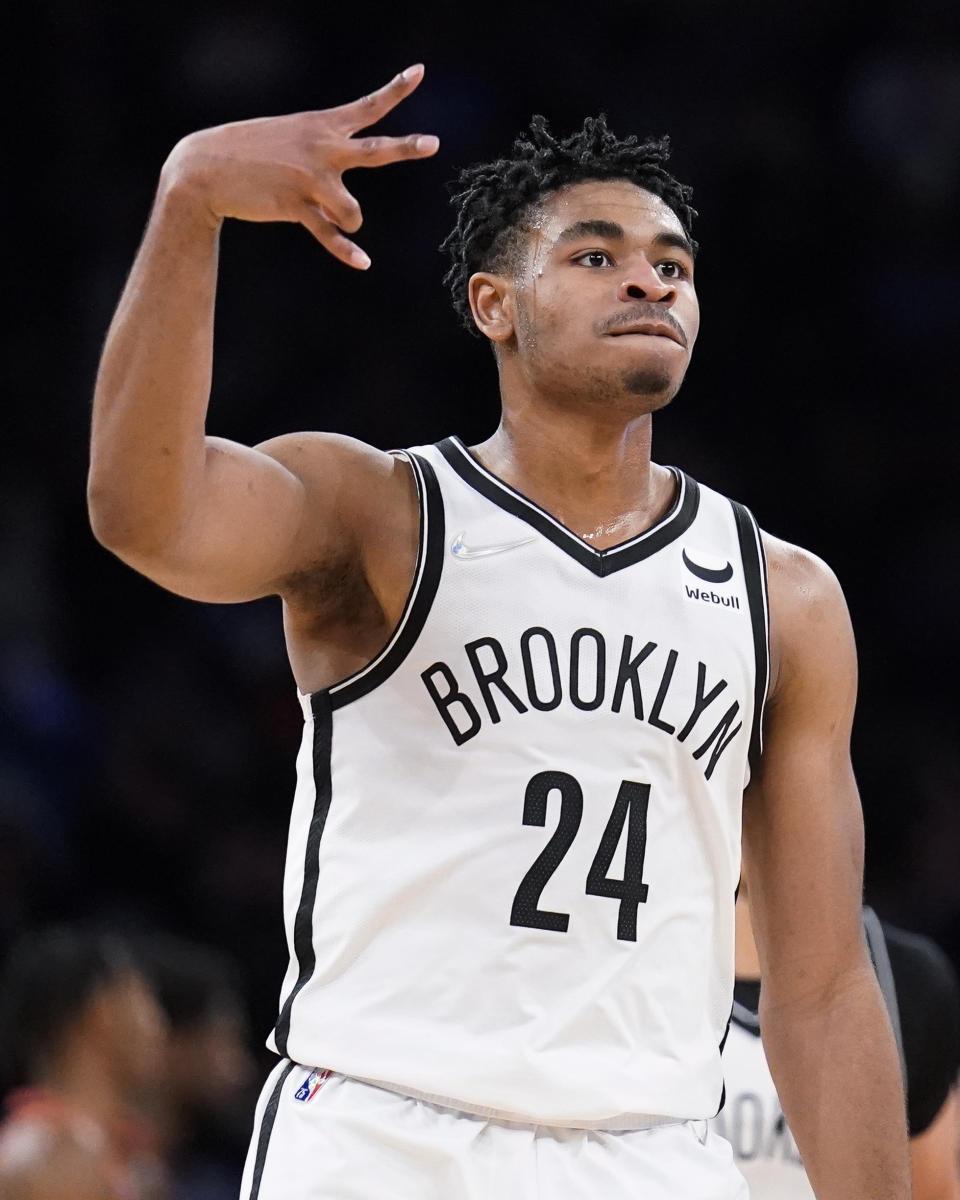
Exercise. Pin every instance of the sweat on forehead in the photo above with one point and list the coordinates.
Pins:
(606, 209)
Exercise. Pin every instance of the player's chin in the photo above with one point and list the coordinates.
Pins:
(652, 382)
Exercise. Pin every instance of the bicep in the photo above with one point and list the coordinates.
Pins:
(803, 824)
(265, 513)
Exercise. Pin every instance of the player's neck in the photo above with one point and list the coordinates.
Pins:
(594, 475)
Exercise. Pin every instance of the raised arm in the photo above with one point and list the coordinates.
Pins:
(200, 515)
(825, 1026)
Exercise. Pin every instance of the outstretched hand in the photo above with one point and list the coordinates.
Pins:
(291, 168)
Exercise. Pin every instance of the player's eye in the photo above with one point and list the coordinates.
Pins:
(595, 258)
(671, 269)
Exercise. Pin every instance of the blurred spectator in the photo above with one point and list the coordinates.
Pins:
(202, 1113)
(84, 1038)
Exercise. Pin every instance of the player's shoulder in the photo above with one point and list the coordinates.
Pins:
(364, 479)
(809, 621)
(799, 576)
(310, 452)
(803, 588)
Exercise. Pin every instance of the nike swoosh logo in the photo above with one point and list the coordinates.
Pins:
(460, 549)
(705, 573)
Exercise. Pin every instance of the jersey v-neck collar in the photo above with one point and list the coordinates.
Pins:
(676, 521)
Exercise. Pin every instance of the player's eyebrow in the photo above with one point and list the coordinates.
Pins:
(677, 240)
(582, 229)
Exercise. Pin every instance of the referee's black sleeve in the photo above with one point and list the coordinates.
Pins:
(928, 996)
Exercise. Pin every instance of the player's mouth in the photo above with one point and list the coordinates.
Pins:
(650, 329)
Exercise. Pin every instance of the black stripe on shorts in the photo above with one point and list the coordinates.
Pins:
(266, 1128)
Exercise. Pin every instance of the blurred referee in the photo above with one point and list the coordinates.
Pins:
(923, 999)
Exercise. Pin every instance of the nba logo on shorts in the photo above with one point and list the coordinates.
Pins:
(312, 1084)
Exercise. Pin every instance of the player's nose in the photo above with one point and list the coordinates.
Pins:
(642, 281)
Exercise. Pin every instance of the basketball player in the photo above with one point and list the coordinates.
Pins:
(86, 1037)
(923, 999)
(533, 675)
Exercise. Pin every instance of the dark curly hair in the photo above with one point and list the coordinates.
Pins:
(495, 200)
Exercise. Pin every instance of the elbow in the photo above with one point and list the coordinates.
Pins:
(120, 527)
(103, 514)
(814, 994)
(109, 517)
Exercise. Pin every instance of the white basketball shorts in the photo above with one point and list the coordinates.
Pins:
(321, 1136)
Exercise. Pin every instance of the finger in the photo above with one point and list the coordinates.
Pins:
(338, 205)
(377, 151)
(370, 108)
(330, 237)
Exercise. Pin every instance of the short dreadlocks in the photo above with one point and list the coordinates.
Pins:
(495, 200)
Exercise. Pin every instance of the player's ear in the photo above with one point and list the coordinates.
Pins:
(491, 300)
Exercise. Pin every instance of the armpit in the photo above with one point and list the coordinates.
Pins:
(330, 592)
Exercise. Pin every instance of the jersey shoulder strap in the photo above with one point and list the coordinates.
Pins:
(758, 597)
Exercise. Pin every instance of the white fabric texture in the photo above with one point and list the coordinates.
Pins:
(353, 1141)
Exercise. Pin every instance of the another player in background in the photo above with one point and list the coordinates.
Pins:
(202, 1113)
(85, 1037)
(923, 998)
(536, 677)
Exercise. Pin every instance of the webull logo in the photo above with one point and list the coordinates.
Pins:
(711, 597)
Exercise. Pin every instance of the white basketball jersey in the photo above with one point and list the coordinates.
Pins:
(515, 839)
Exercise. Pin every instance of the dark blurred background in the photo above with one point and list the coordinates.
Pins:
(147, 743)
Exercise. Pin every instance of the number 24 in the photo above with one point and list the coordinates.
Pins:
(630, 809)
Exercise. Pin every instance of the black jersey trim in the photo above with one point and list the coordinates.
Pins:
(303, 948)
(746, 1018)
(755, 575)
(266, 1129)
(723, 1081)
(601, 562)
(426, 580)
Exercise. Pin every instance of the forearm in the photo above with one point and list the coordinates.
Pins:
(836, 1068)
(935, 1154)
(153, 387)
